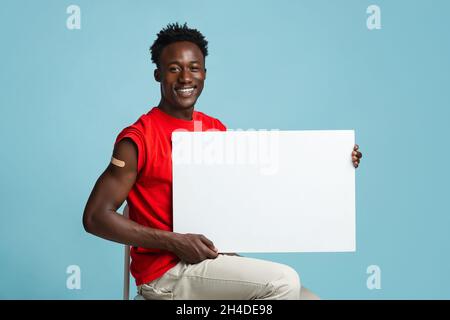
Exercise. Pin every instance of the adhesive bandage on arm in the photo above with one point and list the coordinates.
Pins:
(117, 162)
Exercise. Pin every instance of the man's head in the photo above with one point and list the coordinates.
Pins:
(179, 54)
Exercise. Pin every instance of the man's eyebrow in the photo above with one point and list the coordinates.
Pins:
(178, 62)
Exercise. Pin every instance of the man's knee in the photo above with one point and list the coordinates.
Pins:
(287, 285)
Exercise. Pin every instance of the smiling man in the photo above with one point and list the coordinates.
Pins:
(165, 264)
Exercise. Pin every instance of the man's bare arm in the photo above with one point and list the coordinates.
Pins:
(111, 190)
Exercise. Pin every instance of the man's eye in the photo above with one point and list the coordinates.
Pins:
(173, 69)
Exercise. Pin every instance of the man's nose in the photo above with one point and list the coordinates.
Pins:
(185, 76)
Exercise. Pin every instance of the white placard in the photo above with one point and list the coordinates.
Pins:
(266, 191)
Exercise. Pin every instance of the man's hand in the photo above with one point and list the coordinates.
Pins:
(193, 248)
(356, 156)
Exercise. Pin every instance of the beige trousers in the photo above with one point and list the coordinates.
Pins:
(225, 278)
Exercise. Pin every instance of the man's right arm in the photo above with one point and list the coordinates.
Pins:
(111, 190)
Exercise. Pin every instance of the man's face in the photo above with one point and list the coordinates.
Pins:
(181, 73)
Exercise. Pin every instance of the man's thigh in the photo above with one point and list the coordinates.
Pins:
(226, 277)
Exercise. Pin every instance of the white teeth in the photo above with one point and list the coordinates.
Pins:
(187, 90)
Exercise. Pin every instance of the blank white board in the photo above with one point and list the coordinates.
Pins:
(266, 191)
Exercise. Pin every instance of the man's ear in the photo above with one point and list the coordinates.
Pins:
(205, 72)
(157, 75)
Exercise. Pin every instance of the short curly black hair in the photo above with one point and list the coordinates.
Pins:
(175, 32)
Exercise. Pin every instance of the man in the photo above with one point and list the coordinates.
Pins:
(168, 265)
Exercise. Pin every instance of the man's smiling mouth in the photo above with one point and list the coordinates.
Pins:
(185, 92)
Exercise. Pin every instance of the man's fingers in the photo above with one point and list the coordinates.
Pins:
(356, 154)
(210, 250)
(356, 147)
(211, 254)
(208, 242)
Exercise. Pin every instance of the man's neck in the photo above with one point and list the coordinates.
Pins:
(183, 114)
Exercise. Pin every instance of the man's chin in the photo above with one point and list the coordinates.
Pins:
(186, 105)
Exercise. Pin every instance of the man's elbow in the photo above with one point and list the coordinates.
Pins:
(88, 223)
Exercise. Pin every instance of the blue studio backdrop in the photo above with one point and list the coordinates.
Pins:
(69, 84)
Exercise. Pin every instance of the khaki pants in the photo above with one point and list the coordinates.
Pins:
(226, 277)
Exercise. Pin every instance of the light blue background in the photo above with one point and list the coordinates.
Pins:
(65, 95)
